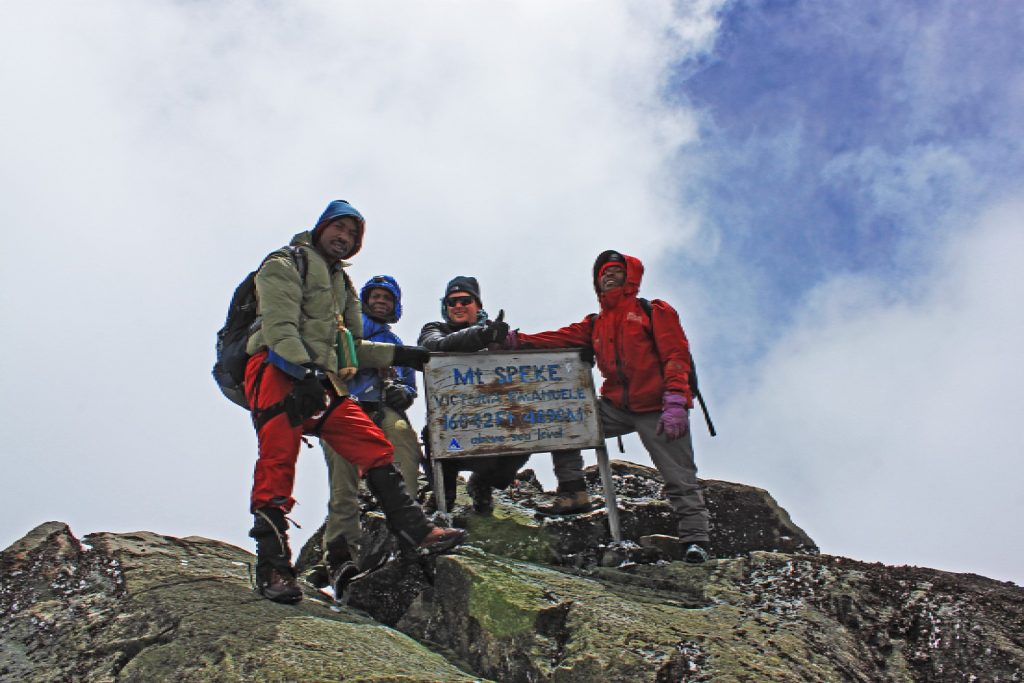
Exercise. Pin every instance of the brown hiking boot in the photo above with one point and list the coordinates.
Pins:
(440, 540)
(278, 585)
(568, 503)
(275, 576)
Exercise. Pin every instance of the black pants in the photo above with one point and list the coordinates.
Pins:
(498, 471)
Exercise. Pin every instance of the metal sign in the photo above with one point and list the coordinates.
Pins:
(506, 402)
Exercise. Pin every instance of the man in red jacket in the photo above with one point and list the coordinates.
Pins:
(645, 362)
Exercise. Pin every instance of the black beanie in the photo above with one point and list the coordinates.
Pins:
(464, 283)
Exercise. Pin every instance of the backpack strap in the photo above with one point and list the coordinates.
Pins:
(646, 305)
(694, 387)
(301, 260)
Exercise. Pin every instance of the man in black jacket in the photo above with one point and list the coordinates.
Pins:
(465, 328)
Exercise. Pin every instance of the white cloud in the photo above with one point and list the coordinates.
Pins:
(888, 426)
(153, 153)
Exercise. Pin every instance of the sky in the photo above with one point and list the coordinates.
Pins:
(832, 195)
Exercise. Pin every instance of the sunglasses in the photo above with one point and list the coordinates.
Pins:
(453, 301)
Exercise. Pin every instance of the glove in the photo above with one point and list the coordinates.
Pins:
(309, 393)
(511, 342)
(675, 419)
(494, 331)
(398, 397)
(414, 357)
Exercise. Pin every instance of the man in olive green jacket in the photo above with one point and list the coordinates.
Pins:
(306, 343)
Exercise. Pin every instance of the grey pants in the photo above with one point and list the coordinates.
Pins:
(343, 506)
(674, 460)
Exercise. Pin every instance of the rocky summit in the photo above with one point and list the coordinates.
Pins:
(529, 598)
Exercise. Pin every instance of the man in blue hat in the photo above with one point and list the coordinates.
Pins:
(385, 394)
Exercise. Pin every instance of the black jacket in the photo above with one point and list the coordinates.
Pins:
(444, 336)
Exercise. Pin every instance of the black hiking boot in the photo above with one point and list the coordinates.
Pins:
(317, 576)
(430, 504)
(695, 552)
(482, 495)
(340, 565)
(275, 576)
(342, 576)
(404, 517)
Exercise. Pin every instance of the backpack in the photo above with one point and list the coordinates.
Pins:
(241, 322)
(694, 388)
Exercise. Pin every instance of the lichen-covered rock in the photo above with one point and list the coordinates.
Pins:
(144, 607)
(744, 518)
(527, 598)
(768, 617)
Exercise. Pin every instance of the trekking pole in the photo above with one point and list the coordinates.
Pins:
(704, 409)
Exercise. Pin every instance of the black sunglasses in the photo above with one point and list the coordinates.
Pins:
(458, 301)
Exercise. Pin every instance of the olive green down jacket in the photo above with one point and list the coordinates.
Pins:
(298, 320)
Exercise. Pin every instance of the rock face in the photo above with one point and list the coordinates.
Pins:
(144, 607)
(528, 599)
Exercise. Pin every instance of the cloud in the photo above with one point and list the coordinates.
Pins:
(154, 153)
(826, 194)
(888, 424)
(845, 138)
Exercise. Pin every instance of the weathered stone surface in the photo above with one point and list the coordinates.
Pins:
(744, 518)
(527, 599)
(767, 617)
(145, 607)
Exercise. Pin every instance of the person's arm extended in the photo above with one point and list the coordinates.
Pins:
(574, 335)
(464, 340)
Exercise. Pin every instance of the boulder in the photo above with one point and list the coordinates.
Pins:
(145, 607)
(528, 598)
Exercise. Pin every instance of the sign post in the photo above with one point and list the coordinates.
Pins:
(511, 403)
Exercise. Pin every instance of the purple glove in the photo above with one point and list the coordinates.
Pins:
(511, 342)
(675, 419)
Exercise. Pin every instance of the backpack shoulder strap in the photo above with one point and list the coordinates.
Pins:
(348, 282)
(648, 309)
(646, 305)
(301, 260)
(297, 253)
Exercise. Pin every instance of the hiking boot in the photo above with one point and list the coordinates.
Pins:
(317, 576)
(430, 504)
(337, 560)
(342, 576)
(277, 584)
(275, 576)
(568, 503)
(405, 518)
(482, 495)
(695, 552)
(440, 540)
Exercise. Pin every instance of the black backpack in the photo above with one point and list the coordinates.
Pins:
(229, 369)
(694, 388)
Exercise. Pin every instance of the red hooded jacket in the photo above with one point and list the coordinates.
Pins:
(638, 365)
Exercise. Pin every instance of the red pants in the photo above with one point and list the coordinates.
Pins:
(347, 430)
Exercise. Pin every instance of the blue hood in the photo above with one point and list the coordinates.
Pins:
(337, 209)
(383, 282)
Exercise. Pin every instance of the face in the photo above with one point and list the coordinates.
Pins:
(461, 311)
(612, 277)
(338, 238)
(380, 303)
